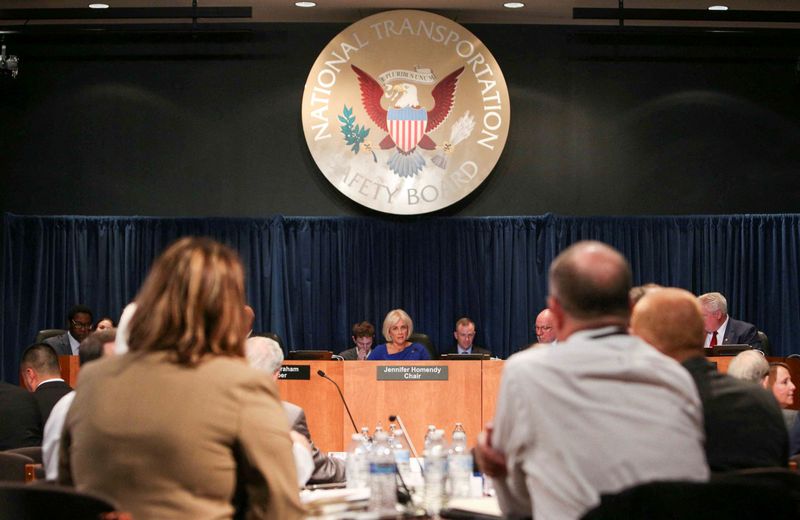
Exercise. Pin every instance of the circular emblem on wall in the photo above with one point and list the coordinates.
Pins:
(406, 112)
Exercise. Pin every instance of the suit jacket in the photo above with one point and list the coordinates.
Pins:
(744, 425)
(351, 354)
(167, 441)
(326, 468)
(741, 333)
(48, 394)
(60, 344)
(21, 424)
(475, 350)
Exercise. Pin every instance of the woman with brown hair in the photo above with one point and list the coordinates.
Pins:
(180, 426)
(782, 387)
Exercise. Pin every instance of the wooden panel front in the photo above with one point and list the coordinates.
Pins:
(418, 403)
(490, 384)
(318, 397)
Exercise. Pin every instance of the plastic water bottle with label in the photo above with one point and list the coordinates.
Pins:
(382, 481)
(357, 462)
(459, 466)
(435, 473)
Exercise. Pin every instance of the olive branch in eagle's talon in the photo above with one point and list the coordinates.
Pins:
(354, 135)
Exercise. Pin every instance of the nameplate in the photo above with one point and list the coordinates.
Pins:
(295, 372)
(412, 373)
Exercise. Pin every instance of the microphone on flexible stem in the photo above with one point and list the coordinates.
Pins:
(322, 374)
(397, 418)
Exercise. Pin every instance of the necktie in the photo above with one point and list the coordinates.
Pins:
(713, 342)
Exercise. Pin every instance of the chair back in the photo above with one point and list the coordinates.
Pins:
(34, 452)
(425, 341)
(34, 502)
(764, 342)
(12, 468)
(48, 333)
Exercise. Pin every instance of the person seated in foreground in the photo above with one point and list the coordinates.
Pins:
(464, 334)
(397, 327)
(752, 366)
(180, 427)
(633, 415)
(266, 355)
(41, 374)
(363, 337)
(743, 424)
(21, 424)
(96, 345)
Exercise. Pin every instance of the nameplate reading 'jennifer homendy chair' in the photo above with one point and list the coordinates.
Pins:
(412, 373)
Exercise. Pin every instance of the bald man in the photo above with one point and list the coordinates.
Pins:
(546, 327)
(743, 423)
(602, 412)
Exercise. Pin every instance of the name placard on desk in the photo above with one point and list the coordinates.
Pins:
(412, 373)
(295, 372)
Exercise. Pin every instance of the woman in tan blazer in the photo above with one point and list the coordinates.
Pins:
(180, 427)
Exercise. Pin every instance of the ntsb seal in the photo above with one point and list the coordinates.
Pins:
(406, 112)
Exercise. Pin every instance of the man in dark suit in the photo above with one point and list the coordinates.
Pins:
(42, 376)
(79, 325)
(465, 335)
(21, 425)
(721, 329)
(743, 423)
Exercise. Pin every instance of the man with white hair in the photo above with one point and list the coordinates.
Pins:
(750, 365)
(721, 329)
(266, 355)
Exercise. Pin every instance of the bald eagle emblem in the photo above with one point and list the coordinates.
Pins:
(406, 123)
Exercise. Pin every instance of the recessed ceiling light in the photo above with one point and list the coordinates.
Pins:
(305, 4)
(98, 6)
(513, 5)
(718, 8)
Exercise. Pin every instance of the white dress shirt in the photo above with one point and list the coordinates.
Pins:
(73, 344)
(600, 413)
(720, 334)
(52, 435)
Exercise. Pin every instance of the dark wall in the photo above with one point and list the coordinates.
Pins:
(665, 122)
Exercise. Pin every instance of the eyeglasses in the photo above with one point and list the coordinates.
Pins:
(544, 329)
(79, 325)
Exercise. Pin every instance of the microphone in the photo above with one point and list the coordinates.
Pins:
(397, 418)
(320, 373)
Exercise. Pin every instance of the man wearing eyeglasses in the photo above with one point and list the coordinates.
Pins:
(546, 327)
(79, 322)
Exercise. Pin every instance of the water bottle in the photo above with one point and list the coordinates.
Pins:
(365, 434)
(460, 428)
(435, 473)
(402, 454)
(357, 468)
(459, 465)
(382, 482)
(431, 429)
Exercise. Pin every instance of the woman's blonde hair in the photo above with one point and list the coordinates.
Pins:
(392, 317)
(191, 303)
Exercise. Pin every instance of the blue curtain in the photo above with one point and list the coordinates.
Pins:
(310, 279)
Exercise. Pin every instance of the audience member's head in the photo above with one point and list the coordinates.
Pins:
(97, 345)
(464, 333)
(545, 327)
(670, 319)
(194, 295)
(750, 365)
(79, 321)
(638, 292)
(715, 310)
(780, 382)
(39, 364)
(264, 354)
(363, 335)
(104, 323)
(589, 285)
